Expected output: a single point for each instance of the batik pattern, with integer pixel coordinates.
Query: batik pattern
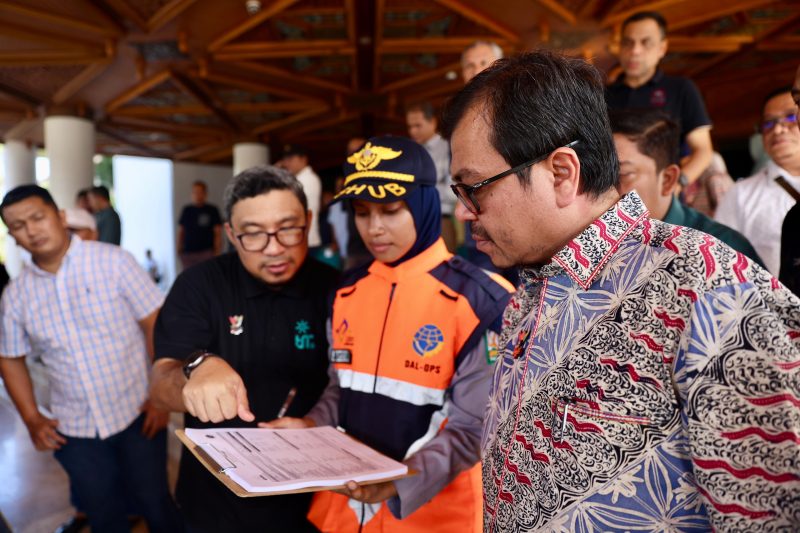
(648, 380)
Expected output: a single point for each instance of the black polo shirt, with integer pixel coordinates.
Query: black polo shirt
(676, 96)
(275, 339)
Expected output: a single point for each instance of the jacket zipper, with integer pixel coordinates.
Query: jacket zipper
(383, 332)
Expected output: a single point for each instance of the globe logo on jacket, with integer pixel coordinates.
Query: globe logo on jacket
(428, 341)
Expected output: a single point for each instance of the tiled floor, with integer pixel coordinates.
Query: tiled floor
(34, 491)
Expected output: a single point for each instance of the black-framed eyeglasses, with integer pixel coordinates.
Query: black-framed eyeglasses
(466, 193)
(768, 125)
(257, 241)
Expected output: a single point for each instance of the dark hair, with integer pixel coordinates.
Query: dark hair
(656, 135)
(426, 108)
(23, 192)
(261, 180)
(200, 183)
(775, 92)
(83, 193)
(537, 102)
(655, 16)
(101, 190)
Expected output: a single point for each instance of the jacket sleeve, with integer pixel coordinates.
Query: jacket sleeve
(456, 447)
(738, 373)
(326, 411)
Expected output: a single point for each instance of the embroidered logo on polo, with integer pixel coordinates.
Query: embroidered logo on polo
(658, 98)
(428, 341)
(236, 324)
(303, 338)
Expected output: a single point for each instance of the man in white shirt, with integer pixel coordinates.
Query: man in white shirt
(756, 206)
(422, 125)
(295, 160)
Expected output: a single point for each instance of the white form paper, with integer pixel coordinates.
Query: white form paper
(272, 460)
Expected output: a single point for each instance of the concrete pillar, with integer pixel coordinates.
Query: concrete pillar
(70, 146)
(248, 155)
(20, 169)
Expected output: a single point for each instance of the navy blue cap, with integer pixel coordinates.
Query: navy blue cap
(387, 169)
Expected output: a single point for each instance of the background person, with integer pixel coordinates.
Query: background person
(109, 226)
(199, 228)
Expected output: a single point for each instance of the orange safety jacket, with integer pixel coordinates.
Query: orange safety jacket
(402, 338)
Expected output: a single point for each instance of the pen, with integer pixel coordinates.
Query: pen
(287, 402)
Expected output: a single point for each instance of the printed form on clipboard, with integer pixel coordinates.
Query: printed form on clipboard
(279, 461)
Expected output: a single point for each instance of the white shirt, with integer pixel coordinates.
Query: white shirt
(83, 320)
(439, 150)
(312, 186)
(756, 207)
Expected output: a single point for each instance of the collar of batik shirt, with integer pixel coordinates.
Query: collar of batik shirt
(584, 256)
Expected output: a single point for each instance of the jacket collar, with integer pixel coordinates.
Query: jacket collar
(585, 255)
(421, 263)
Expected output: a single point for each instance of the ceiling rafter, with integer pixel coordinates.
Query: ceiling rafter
(38, 35)
(263, 68)
(51, 57)
(722, 43)
(66, 91)
(203, 109)
(715, 62)
(288, 121)
(250, 84)
(730, 8)
(616, 17)
(421, 77)
(160, 125)
(167, 13)
(197, 90)
(432, 44)
(273, 9)
(556, 7)
(51, 18)
(138, 89)
(321, 124)
(480, 18)
(116, 135)
(272, 49)
(123, 9)
(198, 151)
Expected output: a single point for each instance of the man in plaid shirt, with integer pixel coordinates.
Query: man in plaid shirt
(88, 308)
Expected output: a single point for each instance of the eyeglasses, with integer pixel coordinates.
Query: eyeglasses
(258, 241)
(466, 193)
(768, 125)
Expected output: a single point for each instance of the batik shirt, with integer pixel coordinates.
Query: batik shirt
(649, 380)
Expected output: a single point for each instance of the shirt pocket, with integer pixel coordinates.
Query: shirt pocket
(575, 417)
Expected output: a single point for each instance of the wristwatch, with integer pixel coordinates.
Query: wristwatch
(194, 360)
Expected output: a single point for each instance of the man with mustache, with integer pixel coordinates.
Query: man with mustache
(259, 311)
(756, 206)
(648, 374)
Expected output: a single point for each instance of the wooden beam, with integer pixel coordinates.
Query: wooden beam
(46, 18)
(431, 44)
(159, 125)
(130, 142)
(377, 42)
(322, 124)
(277, 124)
(38, 35)
(206, 97)
(123, 9)
(657, 5)
(722, 59)
(269, 70)
(419, 78)
(349, 13)
(556, 7)
(50, 57)
(785, 43)
(273, 9)
(480, 18)
(714, 12)
(202, 109)
(724, 43)
(266, 49)
(252, 85)
(216, 155)
(66, 91)
(144, 86)
(167, 13)
(449, 87)
(197, 151)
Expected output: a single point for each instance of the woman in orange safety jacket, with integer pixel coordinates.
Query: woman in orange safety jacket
(411, 353)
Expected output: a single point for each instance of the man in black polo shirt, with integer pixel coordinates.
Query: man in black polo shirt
(199, 228)
(261, 311)
(643, 85)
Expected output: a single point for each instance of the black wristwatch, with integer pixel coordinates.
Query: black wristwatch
(194, 360)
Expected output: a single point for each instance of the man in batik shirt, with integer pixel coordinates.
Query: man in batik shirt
(649, 375)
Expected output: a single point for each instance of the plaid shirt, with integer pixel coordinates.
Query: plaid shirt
(83, 320)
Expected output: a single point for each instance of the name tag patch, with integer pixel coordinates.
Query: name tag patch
(341, 356)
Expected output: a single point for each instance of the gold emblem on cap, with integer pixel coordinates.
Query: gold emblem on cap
(370, 156)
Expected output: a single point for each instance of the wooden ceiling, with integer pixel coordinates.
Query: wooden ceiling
(185, 79)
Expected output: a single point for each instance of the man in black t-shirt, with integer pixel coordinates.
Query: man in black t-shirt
(261, 311)
(199, 228)
(642, 85)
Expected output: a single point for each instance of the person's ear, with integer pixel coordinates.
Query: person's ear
(663, 47)
(669, 179)
(229, 234)
(566, 168)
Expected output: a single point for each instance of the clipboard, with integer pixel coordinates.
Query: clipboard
(218, 471)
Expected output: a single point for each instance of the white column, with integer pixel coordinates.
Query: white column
(70, 146)
(248, 155)
(20, 169)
